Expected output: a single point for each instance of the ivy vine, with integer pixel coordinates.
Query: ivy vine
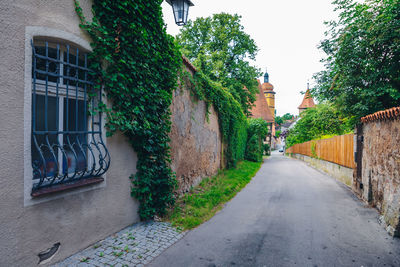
(232, 121)
(138, 63)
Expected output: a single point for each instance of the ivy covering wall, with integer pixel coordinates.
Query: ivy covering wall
(138, 65)
(232, 121)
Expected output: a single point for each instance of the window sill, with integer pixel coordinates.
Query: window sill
(64, 187)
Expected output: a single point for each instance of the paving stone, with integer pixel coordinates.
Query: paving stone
(95, 263)
(103, 260)
(144, 241)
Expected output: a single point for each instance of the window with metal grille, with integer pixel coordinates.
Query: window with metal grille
(67, 144)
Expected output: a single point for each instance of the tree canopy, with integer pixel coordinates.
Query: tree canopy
(362, 64)
(322, 120)
(278, 120)
(282, 119)
(219, 47)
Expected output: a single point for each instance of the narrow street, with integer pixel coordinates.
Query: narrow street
(288, 215)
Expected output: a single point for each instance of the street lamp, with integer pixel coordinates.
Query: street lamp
(181, 10)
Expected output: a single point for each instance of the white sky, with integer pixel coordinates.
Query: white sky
(286, 32)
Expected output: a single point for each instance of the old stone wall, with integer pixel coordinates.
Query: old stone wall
(340, 173)
(380, 169)
(195, 139)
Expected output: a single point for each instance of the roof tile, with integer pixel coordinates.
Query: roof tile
(261, 109)
(387, 114)
(308, 101)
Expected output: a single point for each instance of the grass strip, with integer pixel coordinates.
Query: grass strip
(204, 200)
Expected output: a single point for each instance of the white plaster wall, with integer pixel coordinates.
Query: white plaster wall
(77, 220)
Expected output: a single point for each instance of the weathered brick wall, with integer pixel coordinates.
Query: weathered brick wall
(380, 172)
(195, 140)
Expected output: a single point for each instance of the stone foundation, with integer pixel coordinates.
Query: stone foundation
(340, 173)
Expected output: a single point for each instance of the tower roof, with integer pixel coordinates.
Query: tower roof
(308, 101)
(267, 87)
(266, 77)
(261, 108)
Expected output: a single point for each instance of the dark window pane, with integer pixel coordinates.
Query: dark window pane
(51, 113)
(75, 143)
(41, 63)
(76, 121)
(72, 72)
(43, 158)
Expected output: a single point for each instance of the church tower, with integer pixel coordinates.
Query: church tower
(269, 93)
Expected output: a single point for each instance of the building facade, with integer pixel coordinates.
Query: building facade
(64, 185)
(264, 107)
(269, 94)
(41, 151)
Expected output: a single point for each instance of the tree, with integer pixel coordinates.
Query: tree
(287, 117)
(278, 120)
(323, 119)
(219, 47)
(362, 67)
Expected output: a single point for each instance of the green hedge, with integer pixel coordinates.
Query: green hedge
(257, 131)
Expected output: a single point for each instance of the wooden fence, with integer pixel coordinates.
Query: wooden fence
(338, 149)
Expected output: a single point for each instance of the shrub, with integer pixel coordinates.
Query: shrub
(254, 149)
(256, 132)
(267, 150)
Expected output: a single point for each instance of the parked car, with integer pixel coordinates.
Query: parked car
(281, 149)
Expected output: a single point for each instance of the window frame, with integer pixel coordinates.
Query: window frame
(56, 36)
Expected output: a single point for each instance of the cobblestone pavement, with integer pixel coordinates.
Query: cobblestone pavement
(136, 245)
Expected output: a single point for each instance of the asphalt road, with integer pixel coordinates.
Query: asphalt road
(288, 215)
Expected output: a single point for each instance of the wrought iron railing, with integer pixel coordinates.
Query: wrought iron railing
(67, 143)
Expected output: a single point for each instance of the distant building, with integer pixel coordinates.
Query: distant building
(308, 101)
(268, 90)
(269, 94)
(285, 126)
(261, 108)
(264, 107)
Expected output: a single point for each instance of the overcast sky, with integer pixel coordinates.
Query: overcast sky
(287, 33)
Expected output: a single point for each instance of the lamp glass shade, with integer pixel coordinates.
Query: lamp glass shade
(181, 10)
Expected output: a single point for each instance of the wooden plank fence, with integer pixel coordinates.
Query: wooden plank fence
(338, 149)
